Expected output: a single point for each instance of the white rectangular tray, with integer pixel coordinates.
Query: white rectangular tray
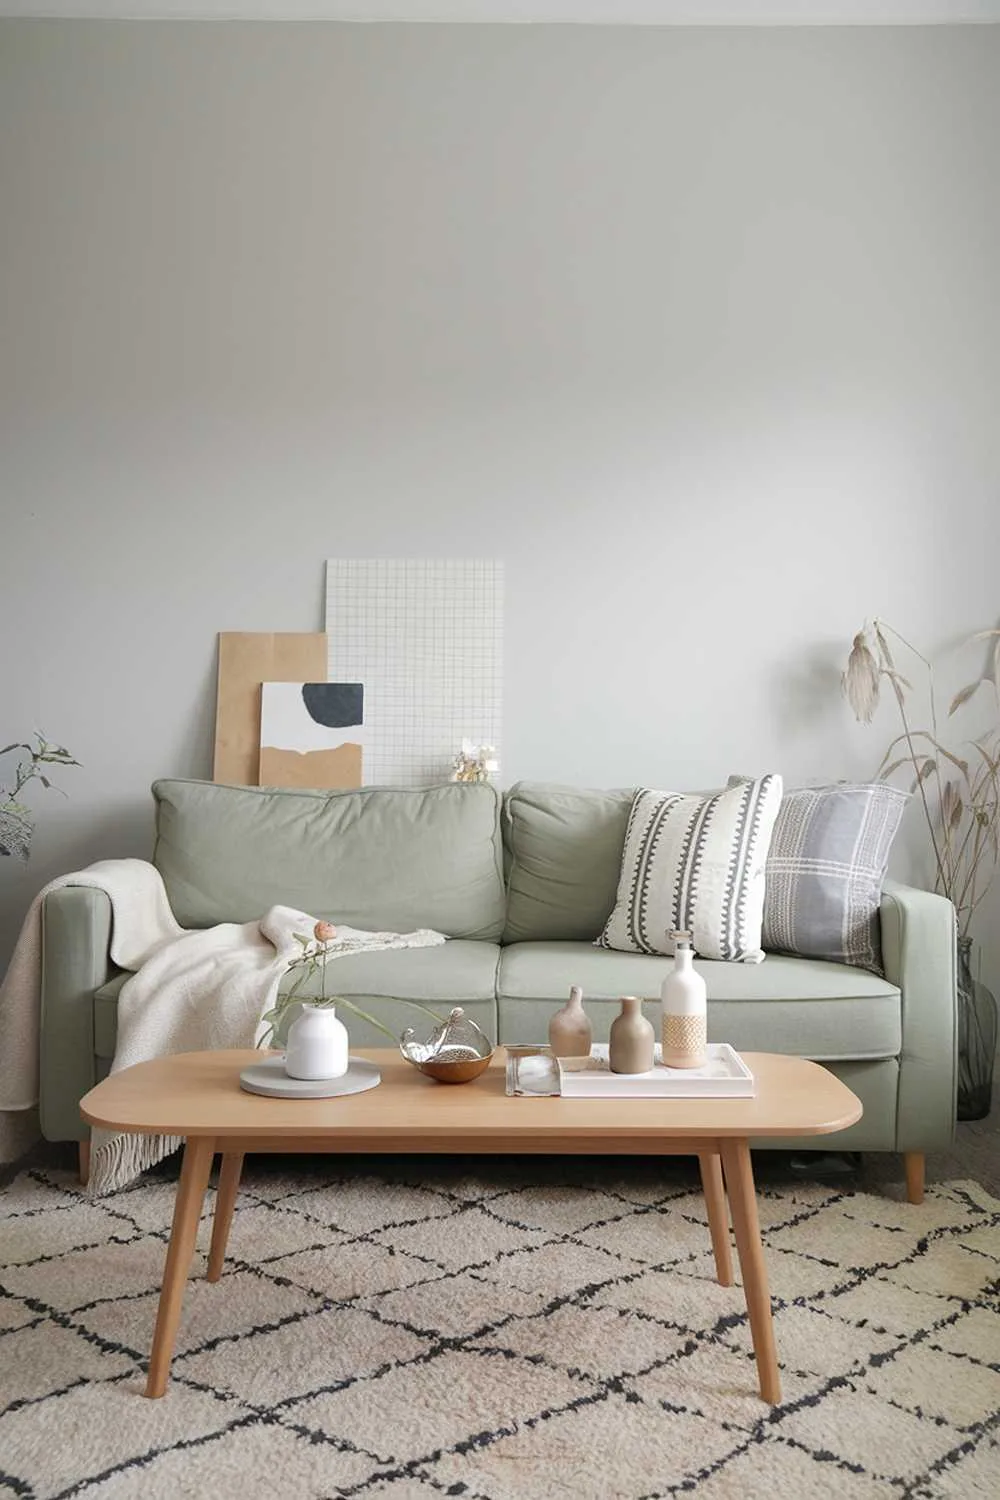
(724, 1076)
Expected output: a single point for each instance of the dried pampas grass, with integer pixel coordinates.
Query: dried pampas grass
(959, 793)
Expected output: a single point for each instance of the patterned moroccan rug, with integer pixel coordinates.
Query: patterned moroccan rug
(503, 1331)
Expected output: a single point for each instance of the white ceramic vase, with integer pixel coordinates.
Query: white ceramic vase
(316, 1046)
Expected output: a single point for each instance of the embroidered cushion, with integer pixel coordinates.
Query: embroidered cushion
(695, 863)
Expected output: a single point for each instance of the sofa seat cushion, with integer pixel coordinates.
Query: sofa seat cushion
(456, 973)
(809, 1007)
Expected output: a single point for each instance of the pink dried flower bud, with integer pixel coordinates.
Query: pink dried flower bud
(324, 932)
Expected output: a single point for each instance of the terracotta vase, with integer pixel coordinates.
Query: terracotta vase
(632, 1039)
(570, 1031)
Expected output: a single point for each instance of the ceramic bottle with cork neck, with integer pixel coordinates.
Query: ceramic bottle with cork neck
(684, 996)
(570, 1032)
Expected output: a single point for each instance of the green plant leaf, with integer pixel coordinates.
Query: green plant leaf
(364, 1015)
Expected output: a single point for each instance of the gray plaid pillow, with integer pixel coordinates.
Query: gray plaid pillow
(825, 869)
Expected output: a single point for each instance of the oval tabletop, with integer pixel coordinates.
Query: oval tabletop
(198, 1093)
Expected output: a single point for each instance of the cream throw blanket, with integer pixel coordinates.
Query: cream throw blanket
(192, 991)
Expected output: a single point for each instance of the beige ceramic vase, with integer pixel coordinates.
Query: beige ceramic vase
(632, 1039)
(570, 1031)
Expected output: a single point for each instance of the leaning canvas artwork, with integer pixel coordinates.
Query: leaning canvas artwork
(311, 734)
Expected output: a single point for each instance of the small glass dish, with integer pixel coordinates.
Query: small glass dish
(455, 1052)
(532, 1069)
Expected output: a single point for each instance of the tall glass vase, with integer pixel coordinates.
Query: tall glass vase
(977, 1039)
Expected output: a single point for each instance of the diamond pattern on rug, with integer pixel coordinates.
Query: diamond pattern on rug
(36, 1361)
(586, 1340)
(359, 1207)
(116, 1268)
(470, 1237)
(782, 1469)
(462, 1394)
(815, 1344)
(712, 1380)
(646, 1240)
(303, 1355)
(259, 1462)
(93, 1428)
(947, 1264)
(452, 1306)
(889, 1305)
(887, 1441)
(252, 1303)
(944, 1387)
(974, 1334)
(14, 1313)
(512, 1335)
(972, 1474)
(558, 1210)
(575, 1452)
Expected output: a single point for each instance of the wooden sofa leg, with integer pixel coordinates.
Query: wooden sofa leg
(913, 1162)
(84, 1163)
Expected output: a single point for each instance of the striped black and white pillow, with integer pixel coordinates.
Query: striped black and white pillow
(695, 864)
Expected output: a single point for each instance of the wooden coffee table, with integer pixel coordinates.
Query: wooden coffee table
(197, 1095)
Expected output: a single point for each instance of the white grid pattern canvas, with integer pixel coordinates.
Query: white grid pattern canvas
(425, 637)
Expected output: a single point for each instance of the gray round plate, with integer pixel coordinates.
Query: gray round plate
(269, 1077)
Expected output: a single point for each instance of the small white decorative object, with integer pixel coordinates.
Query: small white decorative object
(316, 1046)
(475, 762)
(684, 997)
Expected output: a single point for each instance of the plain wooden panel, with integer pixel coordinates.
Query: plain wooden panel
(246, 659)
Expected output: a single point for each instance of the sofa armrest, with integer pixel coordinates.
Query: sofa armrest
(76, 938)
(918, 951)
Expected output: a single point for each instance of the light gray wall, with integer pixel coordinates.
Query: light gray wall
(699, 330)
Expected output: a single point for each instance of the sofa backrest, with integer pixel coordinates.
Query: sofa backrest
(564, 850)
(377, 858)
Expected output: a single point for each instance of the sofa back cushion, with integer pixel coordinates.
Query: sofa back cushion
(378, 858)
(564, 853)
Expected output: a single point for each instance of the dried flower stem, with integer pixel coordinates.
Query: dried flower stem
(964, 825)
(892, 675)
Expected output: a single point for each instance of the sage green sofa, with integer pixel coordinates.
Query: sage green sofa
(521, 884)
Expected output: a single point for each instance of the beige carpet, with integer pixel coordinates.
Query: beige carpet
(533, 1330)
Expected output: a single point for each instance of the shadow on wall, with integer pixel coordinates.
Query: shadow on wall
(109, 813)
(806, 698)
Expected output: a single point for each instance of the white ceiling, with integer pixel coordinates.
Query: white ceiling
(618, 12)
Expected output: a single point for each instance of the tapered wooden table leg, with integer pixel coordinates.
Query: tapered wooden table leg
(197, 1164)
(225, 1202)
(746, 1227)
(718, 1215)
